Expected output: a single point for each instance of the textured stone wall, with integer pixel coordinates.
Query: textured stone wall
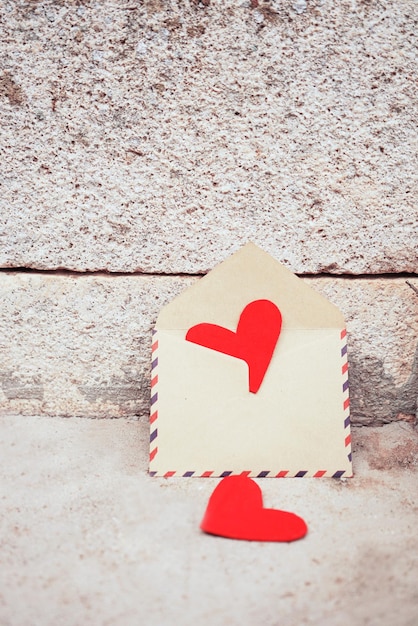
(151, 139)
(80, 345)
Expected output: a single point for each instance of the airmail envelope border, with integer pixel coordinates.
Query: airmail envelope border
(207, 424)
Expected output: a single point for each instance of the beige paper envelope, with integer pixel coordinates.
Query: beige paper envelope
(206, 422)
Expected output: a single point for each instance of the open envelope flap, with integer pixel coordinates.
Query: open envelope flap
(249, 274)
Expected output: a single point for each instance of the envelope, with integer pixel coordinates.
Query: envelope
(250, 376)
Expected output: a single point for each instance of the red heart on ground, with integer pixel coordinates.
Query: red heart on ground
(254, 341)
(235, 510)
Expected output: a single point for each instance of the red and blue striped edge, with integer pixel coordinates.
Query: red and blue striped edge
(154, 399)
(265, 473)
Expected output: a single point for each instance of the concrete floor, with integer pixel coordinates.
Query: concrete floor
(88, 538)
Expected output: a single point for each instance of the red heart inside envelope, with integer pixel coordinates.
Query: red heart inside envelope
(235, 510)
(254, 341)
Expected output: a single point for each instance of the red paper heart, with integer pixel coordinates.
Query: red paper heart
(254, 341)
(235, 510)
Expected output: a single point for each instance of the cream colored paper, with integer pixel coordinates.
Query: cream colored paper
(206, 422)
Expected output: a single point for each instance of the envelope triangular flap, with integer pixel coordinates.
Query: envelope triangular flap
(249, 274)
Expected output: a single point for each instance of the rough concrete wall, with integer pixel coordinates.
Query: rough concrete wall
(157, 137)
(80, 345)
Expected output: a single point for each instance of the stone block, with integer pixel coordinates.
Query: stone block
(382, 324)
(159, 137)
(80, 345)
